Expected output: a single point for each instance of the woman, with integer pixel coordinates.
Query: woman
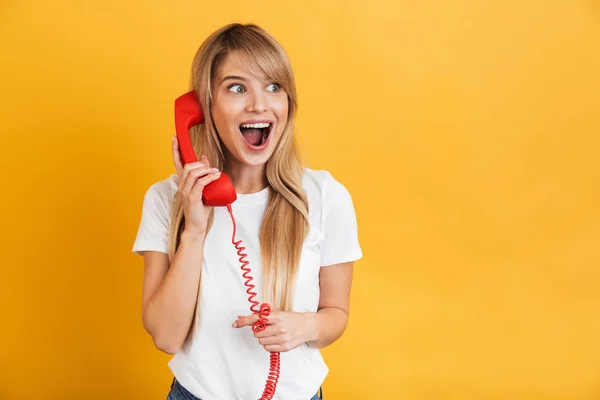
(297, 225)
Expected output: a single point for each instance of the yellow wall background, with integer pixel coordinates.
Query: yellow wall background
(467, 132)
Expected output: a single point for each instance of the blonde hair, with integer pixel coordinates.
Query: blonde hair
(285, 223)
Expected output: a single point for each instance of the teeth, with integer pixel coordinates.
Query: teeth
(260, 125)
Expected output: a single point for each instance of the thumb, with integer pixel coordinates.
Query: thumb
(204, 160)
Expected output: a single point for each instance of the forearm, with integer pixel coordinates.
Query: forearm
(330, 324)
(169, 313)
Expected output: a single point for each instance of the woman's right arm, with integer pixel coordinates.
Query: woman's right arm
(170, 292)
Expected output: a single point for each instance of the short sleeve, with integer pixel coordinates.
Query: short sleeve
(340, 231)
(153, 231)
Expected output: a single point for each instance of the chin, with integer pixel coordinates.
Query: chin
(255, 159)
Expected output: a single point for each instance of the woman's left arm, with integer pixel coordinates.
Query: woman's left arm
(334, 304)
(287, 330)
(338, 248)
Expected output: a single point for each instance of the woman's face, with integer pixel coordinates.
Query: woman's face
(249, 112)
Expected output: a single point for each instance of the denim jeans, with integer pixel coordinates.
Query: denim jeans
(178, 392)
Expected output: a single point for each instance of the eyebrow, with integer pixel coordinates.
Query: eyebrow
(233, 77)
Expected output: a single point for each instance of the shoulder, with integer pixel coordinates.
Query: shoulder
(333, 218)
(167, 186)
(160, 194)
(153, 231)
(323, 185)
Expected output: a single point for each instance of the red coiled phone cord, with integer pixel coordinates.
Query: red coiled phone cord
(262, 312)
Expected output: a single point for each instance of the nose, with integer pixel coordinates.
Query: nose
(257, 102)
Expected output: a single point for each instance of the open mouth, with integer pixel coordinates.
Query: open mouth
(256, 134)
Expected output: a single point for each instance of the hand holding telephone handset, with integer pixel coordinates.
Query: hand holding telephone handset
(221, 193)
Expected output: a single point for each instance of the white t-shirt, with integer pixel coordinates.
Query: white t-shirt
(225, 363)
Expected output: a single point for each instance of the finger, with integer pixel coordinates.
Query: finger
(245, 321)
(201, 183)
(187, 168)
(205, 161)
(271, 340)
(271, 330)
(176, 156)
(274, 318)
(279, 348)
(193, 176)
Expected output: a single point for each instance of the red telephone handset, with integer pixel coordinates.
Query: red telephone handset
(219, 193)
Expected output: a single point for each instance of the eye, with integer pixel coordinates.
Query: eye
(273, 87)
(236, 88)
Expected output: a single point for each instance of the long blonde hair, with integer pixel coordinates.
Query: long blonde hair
(285, 223)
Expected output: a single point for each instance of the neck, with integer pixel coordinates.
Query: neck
(246, 179)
